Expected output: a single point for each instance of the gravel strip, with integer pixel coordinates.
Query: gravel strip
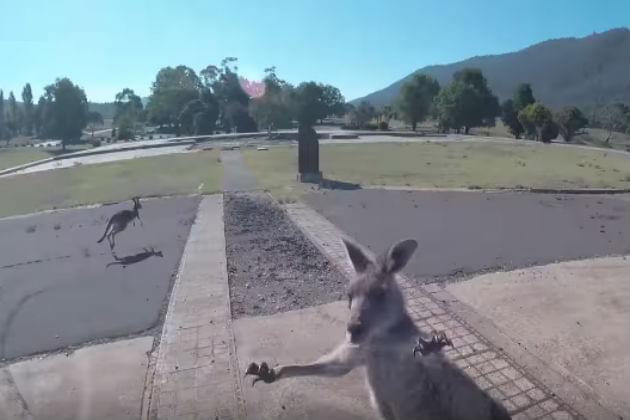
(272, 266)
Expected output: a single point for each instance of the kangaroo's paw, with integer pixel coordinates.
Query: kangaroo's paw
(262, 373)
(438, 340)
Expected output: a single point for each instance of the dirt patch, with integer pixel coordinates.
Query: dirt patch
(272, 266)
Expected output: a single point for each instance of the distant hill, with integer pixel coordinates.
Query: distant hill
(575, 71)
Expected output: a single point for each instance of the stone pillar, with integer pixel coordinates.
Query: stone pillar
(308, 155)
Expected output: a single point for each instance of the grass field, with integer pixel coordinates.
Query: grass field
(15, 157)
(448, 165)
(161, 175)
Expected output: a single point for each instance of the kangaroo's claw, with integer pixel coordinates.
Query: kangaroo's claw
(438, 340)
(262, 373)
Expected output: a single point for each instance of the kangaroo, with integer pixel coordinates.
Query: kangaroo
(136, 258)
(119, 221)
(382, 336)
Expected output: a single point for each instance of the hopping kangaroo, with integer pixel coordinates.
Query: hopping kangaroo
(381, 336)
(119, 221)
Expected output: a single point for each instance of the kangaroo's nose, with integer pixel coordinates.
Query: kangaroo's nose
(355, 330)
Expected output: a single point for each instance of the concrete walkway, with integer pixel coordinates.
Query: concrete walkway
(104, 381)
(196, 374)
(236, 175)
(573, 316)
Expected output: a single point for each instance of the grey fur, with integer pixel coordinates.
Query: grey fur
(119, 221)
(381, 336)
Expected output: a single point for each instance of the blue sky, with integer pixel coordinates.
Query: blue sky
(358, 46)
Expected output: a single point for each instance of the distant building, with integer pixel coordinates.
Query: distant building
(49, 143)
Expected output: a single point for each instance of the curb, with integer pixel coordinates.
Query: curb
(575, 191)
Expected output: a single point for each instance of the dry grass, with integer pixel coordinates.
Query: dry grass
(116, 181)
(448, 165)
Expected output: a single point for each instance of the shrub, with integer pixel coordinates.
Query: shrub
(95, 142)
(549, 132)
(383, 125)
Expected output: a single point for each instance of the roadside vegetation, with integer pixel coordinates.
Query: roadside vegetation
(446, 165)
(187, 173)
(14, 157)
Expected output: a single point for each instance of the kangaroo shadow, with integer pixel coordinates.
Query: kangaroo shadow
(333, 184)
(135, 258)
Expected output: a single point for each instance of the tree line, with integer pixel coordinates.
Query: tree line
(468, 102)
(185, 102)
(181, 101)
(60, 113)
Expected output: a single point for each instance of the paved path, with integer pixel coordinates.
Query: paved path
(462, 233)
(101, 158)
(521, 393)
(236, 175)
(104, 381)
(196, 374)
(573, 315)
(56, 288)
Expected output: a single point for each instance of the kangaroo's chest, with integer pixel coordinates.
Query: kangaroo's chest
(426, 387)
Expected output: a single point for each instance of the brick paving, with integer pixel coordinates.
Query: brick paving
(492, 370)
(196, 374)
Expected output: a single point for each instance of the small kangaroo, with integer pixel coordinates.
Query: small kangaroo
(119, 221)
(382, 336)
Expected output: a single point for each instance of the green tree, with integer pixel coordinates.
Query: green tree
(307, 103)
(539, 119)
(523, 96)
(27, 101)
(172, 89)
(364, 113)
(199, 116)
(223, 81)
(39, 116)
(271, 110)
(94, 119)
(333, 100)
(613, 118)
(570, 119)
(467, 102)
(509, 116)
(127, 103)
(416, 98)
(126, 128)
(65, 111)
(13, 116)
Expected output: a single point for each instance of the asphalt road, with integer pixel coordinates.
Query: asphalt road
(56, 289)
(462, 233)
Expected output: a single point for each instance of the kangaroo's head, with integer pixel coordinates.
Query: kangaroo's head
(136, 203)
(376, 302)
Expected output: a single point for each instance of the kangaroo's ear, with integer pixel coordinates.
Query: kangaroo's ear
(399, 255)
(359, 260)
